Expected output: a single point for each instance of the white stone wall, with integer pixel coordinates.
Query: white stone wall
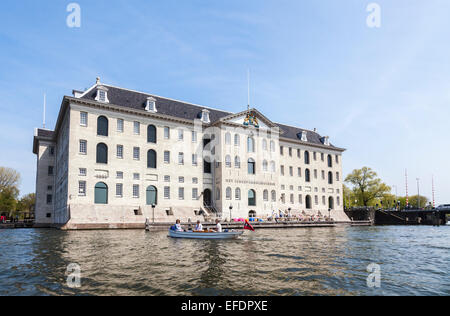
(122, 209)
(43, 182)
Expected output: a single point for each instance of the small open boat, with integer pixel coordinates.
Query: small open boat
(205, 235)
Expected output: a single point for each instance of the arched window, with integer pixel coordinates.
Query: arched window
(237, 162)
(227, 139)
(102, 126)
(266, 196)
(265, 166)
(273, 167)
(264, 144)
(274, 196)
(330, 177)
(151, 134)
(308, 202)
(151, 159)
(238, 194)
(152, 195)
(228, 161)
(251, 166)
(331, 203)
(229, 193)
(237, 140)
(330, 161)
(102, 153)
(272, 146)
(306, 157)
(101, 193)
(251, 198)
(250, 145)
(307, 175)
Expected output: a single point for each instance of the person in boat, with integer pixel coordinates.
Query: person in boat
(199, 227)
(218, 226)
(178, 227)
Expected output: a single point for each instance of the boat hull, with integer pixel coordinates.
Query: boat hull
(195, 235)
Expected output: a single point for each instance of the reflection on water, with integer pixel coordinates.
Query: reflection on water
(325, 261)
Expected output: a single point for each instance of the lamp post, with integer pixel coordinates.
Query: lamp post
(153, 211)
(329, 214)
(231, 208)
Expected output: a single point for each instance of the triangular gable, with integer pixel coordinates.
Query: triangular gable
(251, 118)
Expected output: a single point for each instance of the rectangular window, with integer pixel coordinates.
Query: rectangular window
(337, 176)
(195, 194)
(290, 152)
(323, 175)
(135, 191)
(83, 172)
(120, 151)
(83, 119)
(181, 193)
(282, 170)
(167, 157)
(322, 157)
(298, 153)
(337, 158)
(119, 175)
(50, 170)
(180, 134)
(137, 128)
(166, 178)
(316, 200)
(315, 156)
(136, 176)
(299, 172)
(166, 132)
(281, 150)
(315, 173)
(300, 199)
(194, 160)
(119, 125)
(52, 151)
(291, 171)
(136, 153)
(194, 136)
(119, 190)
(50, 188)
(195, 180)
(83, 147)
(167, 193)
(49, 199)
(82, 188)
(180, 158)
(181, 179)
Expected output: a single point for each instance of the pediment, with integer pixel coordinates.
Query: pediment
(250, 118)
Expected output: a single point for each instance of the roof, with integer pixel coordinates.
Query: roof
(188, 111)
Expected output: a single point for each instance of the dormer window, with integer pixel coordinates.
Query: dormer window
(205, 117)
(326, 140)
(151, 105)
(303, 136)
(102, 95)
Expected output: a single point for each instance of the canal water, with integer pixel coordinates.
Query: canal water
(315, 261)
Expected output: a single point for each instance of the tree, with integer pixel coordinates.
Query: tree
(413, 201)
(367, 187)
(9, 178)
(8, 201)
(26, 204)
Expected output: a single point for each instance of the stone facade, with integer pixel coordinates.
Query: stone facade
(232, 165)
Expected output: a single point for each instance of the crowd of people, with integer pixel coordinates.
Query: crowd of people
(303, 217)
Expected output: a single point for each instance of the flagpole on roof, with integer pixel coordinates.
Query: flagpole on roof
(43, 116)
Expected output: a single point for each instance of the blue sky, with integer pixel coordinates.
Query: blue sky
(382, 93)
